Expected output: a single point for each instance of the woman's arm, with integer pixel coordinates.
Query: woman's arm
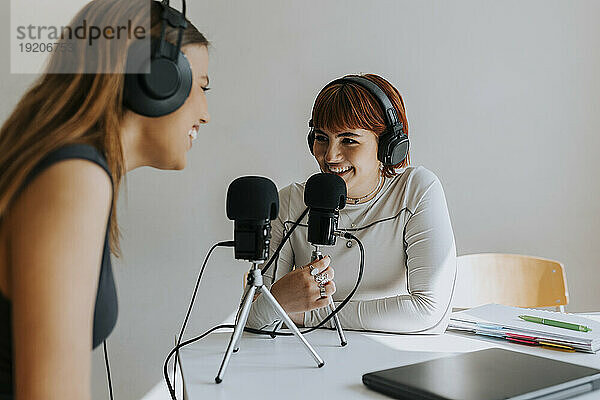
(431, 269)
(57, 230)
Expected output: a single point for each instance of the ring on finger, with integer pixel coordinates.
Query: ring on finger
(313, 270)
(322, 278)
(323, 293)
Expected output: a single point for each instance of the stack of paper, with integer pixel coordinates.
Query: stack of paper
(503, 321)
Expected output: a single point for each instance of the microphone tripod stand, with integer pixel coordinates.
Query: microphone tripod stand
(255, 283)
(317, 255)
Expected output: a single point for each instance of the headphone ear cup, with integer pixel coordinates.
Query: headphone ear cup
(311, 140)
(400, 149)
(392, 150)
(156, 86)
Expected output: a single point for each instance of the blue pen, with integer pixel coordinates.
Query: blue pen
(492, 334)
(496, 330)
(486, 326)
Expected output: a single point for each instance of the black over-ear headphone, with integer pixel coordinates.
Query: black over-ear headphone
(393, 143)
(159, 85)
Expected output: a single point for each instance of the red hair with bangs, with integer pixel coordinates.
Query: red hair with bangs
(348, 105)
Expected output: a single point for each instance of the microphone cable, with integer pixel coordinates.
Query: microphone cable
(282, 243)
(179, 346)
(110, 388)
(229, 243)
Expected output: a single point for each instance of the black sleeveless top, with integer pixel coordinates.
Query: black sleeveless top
(105, 311)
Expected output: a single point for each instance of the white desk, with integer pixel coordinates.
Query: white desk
(281, 368)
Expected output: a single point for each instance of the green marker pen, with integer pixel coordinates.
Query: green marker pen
(552, 322)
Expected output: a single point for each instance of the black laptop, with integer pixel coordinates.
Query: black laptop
(485, 375)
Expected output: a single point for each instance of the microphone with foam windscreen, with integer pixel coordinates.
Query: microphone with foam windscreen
(252, 202)
(325, 195)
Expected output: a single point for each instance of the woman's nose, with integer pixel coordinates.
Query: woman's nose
(204, 117)
(333, 153)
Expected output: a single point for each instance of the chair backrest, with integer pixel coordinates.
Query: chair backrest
(509, 279)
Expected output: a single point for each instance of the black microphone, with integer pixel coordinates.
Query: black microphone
(252, 202)
(324, 195)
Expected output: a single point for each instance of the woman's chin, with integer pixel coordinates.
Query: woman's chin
(173, 165)
(181, 164)
(181, 161)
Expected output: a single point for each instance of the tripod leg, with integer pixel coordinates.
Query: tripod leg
(236, 348)
(290, 324)
(336, 323)
(237, 332)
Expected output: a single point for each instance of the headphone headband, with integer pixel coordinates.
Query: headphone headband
(183, 7)
(177, 20)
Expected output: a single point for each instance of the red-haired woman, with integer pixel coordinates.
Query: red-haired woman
(63, 153)
(399, 212)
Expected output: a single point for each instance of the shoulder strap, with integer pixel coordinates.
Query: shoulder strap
(73, 151)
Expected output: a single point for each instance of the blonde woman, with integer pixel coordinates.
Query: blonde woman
(63, 153)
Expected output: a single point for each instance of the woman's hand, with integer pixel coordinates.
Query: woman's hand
(298, 290)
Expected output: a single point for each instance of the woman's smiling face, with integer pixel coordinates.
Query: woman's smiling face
(350, 154)
(167, 139)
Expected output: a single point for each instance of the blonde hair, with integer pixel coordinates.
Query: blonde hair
(62, 109)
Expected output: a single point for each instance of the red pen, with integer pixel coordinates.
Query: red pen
(515, 336)
(521, 341)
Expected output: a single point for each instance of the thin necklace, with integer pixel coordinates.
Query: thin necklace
(358, 200)
(354, 223)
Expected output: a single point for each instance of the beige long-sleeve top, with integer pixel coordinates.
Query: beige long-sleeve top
(410, 257)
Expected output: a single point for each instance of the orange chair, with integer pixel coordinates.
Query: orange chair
(509, 279)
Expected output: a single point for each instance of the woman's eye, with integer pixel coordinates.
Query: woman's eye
(205, 89)
(349, 141)
(321, 138)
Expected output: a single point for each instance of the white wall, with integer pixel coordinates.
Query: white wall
(501, 100)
